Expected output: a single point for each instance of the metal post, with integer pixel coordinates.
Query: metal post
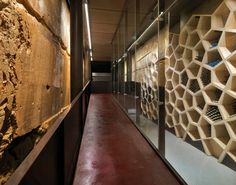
(76, 47)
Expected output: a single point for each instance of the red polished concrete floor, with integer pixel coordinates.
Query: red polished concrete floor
(113, 152)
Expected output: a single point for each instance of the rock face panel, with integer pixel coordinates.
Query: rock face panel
(15, 45)
(34, 67)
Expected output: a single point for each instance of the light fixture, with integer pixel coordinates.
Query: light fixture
(88, 29)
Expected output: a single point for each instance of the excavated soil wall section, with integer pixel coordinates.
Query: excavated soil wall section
(34, 74)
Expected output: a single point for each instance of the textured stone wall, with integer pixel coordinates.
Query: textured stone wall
(34, 73)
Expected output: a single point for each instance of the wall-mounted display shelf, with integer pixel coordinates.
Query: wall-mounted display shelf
(149, 86)
(201, 75)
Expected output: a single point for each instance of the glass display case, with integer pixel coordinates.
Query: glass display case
(175, 76)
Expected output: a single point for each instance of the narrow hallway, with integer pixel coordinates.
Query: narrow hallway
(113, 152)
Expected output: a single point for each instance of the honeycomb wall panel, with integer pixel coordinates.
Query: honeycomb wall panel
(201, 95)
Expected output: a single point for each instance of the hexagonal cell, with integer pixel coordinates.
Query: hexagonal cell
(193, 22)
(175, 41)
(194, 115)
(205, 76)
(169, 74)
(193, 132)
(232, 126)
(229, 104)
(199, 52)
(172, 61)
(179, 66)
(179, 131)
(232, 150)
(169, 51)
(154, 86)
(222, 74)
(231, 4)
(183, 37)
(188, 55)
(169, 108)
(184, 78)
(233, 84)
(176, 117)
(169, 85)
(149, 90)
(205, 128)
(179, 52)
(193, 69)
(169, 121)
(220, 16)
(204, 25)
(213, 38)
(200, 101)
(212, 58)
(188, 99)
(144, 93)
(180, 105)
(143, 107)
(193, 39)
(154, 95)
(167, 97)
(212, 147)
(184, 120)
(228, 41)
(180, 91)
(231, 22)
(213, 113)
(232, 60)
(173, 97)
(175, 79)
(194, 86)
(221, 133)
(213, 93)
(149, 99)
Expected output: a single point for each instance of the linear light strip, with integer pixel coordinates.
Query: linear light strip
(88, 30)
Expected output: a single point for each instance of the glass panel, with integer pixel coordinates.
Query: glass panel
(198, 138)
(130, 21)
(176, 83)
